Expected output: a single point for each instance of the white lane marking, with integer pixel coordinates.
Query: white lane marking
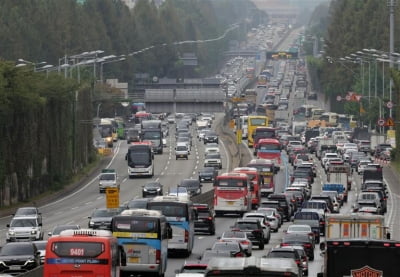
(158, 179)
(228, 163)
(88, 203)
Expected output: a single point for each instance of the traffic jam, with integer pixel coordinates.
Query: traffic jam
(307, 198)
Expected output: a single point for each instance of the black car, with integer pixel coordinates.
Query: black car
(253, 229)
(205, 219)
(19, 257)
(193, 186)
(138, 203)
(132, 135)
(210, 136)
(208, 174)
(152, 189)
(304, 240)
(101, 218)
(286, 206)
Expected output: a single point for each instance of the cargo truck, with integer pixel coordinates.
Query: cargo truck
(339, 174)
(359, 245)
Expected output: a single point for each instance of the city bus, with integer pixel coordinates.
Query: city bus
(83, 252)
(261, 133)
(142, 115)
(144, 235)
(268, 170)
(330, 118)
(232, 194)
(269, 148)
(180, 215)
(250, 72)
(252, 266)
(254, 121)
(256, 181)
(316, 113)
(140, 159)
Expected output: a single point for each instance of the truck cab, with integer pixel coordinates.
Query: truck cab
(108, 179)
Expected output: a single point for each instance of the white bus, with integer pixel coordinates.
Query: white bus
(180, 215)
(144, 236)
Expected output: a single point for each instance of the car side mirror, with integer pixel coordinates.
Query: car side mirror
(89, 217)
(49, 234)
(126, 156)
(40, 224)
(169, 231)
(8, 225)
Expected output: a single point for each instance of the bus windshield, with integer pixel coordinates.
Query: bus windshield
(135, 225)
(231, 183)
(258, 121)
(140, 158)
(269, 147)
(265, 133)
(78, 249)
(175, 210)
(151, 135)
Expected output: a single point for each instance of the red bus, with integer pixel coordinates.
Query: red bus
(83, 252)
(256, 181)
(268, 170)
(142, 115)
(232, 194)
(263, 133)
(269, 148)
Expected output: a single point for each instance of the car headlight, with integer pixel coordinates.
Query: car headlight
(33, 232)
(29, 261)
(144, 189)
(11, 233)
(158, 189)
(91, 223)
(2, 263)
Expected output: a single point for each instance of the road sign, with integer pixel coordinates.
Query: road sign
(112, 198)
(389, 122)
(381, 122)
(389, 105)
(348, 97)
(339, 98)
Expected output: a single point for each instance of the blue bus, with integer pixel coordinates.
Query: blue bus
(144, 235)
(180, 214)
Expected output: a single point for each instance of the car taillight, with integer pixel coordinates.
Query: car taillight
(285, 244)
(298, 262)
(307, 245)
(245, 242)
(186, 236)
(209, 218)
(239, 254)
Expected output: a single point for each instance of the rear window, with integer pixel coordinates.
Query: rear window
(282, 254)
(306, 216)
(77, 249)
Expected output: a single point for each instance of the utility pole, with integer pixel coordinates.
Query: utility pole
(391, 5)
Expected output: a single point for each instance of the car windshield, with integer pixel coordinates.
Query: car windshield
(103, 213)
(213, 156)
(16, 250)
(226, 247)
(26, 211)
(24, 223)
(299, 228)
(58, 229)
(107, 177)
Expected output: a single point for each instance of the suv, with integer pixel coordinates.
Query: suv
(108, 179)
(213, 160)
(210, 136)
(381, 147)
(182, 151)
(24, 228)
(193, 186)
(253, 229)
(208, 174)
(29, 211)
(205, 219)
(285, 252)
(286, 206)
(19, 257)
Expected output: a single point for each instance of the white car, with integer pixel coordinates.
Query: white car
(362, 164)
(24, 228)
(240, 237)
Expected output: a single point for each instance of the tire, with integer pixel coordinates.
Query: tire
(311, 258)
(261, 245)
(212, 231)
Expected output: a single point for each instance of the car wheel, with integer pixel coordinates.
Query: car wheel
(261, 245)
(311, 258)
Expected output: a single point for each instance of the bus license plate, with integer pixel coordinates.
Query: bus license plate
(230, 202)
(134, 260)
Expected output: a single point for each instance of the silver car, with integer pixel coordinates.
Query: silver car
(240, 237)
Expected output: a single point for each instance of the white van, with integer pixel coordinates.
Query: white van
(182, 151)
